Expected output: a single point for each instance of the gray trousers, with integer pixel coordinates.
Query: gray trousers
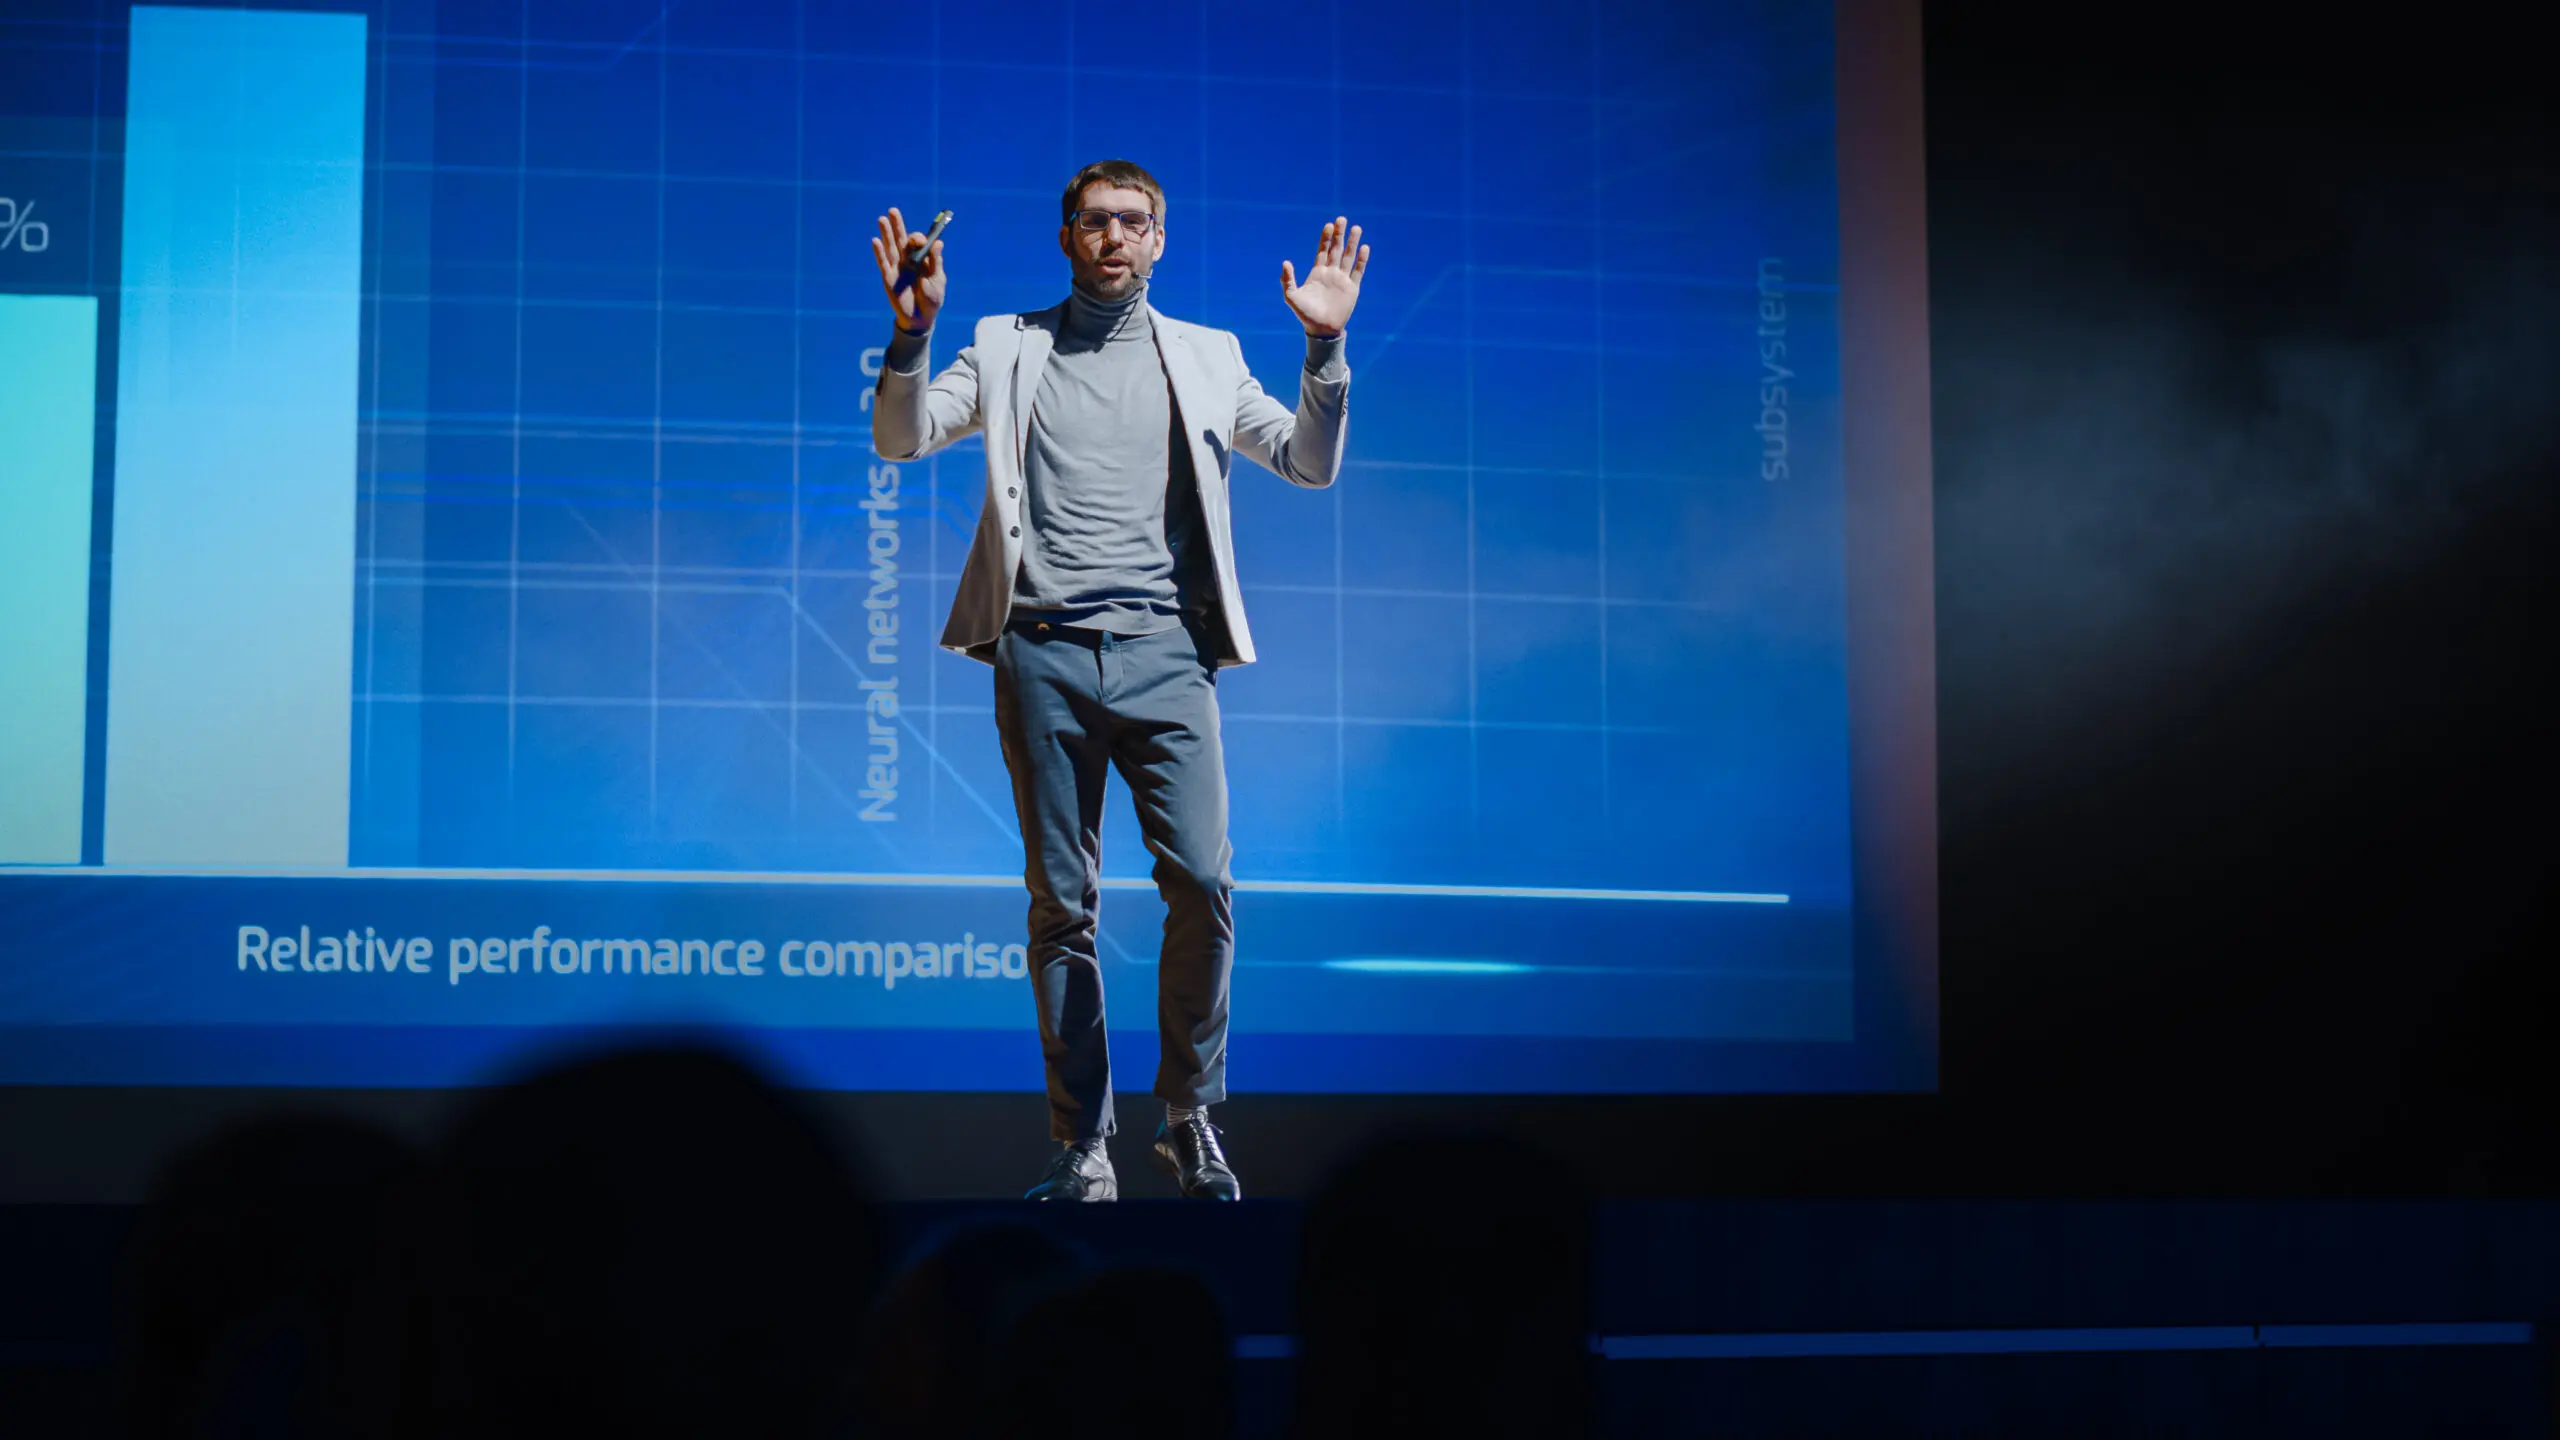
(1070, 704)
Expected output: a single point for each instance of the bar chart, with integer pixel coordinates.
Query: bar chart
(48, 365)
(233, 614)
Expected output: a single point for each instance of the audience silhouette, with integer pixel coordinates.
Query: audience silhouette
(1420, 1315)
(930, 1360)
(250, 1278)
(1131, 1354)
(661, 1242)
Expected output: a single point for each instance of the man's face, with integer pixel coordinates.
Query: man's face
(1109, 261)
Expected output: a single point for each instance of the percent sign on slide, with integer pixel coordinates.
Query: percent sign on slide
(19, 227)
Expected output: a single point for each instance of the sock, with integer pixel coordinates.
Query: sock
(1176, 1114)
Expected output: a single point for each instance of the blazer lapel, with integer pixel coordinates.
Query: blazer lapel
(1039, 337)
(1190, 388)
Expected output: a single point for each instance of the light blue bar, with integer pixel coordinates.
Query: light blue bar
(2110, 1339)
(2393, 1337)
(48, 443)
(1400, 965)
(231, 625)
(1928, 1342)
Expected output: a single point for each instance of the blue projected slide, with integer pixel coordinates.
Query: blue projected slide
(448, 596)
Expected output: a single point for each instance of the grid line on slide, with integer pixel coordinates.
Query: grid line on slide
(1467, 346)
(515, 437)
(657, 426)
(1600, 435)
(933, 464)
(799, 265)
(369, 478)
(1341, 696)
(1006, 882)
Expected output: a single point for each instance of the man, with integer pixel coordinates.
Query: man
(1102, 588)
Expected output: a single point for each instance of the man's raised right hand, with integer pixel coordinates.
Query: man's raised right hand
(915, 295)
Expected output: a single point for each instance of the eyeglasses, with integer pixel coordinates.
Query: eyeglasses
(1138, 223)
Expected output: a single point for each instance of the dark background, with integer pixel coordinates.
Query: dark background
(2244, 376)
(2243, 358)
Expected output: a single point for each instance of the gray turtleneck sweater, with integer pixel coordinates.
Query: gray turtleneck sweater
(1108, 509)
(1111, 519)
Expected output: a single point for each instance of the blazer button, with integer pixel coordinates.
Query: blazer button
(1010, 492)
(1015, 532)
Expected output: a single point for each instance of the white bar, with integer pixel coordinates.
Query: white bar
(1001, 882)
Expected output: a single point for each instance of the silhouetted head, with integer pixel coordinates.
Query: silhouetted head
(249, 1277)
(1128, 1355)
(1443, 1288)
(653, 1243)
(939, 1330)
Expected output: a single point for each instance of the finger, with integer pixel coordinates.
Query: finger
(931, 264)
(1341, 247)
(1288, 278)
(1350, 246)
(1360, 265)
(1324, 248)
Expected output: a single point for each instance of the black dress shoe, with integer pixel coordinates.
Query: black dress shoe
(1190, 1150)
(1082, 1171)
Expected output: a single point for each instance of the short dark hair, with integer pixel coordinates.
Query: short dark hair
(1125, 174)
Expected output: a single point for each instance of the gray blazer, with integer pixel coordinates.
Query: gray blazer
(1222, 409)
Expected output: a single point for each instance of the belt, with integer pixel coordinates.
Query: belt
(1084, 635)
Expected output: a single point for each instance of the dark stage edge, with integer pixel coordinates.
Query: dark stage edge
(1750, 1318)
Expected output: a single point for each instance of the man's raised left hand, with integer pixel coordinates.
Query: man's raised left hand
(1325, 302)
